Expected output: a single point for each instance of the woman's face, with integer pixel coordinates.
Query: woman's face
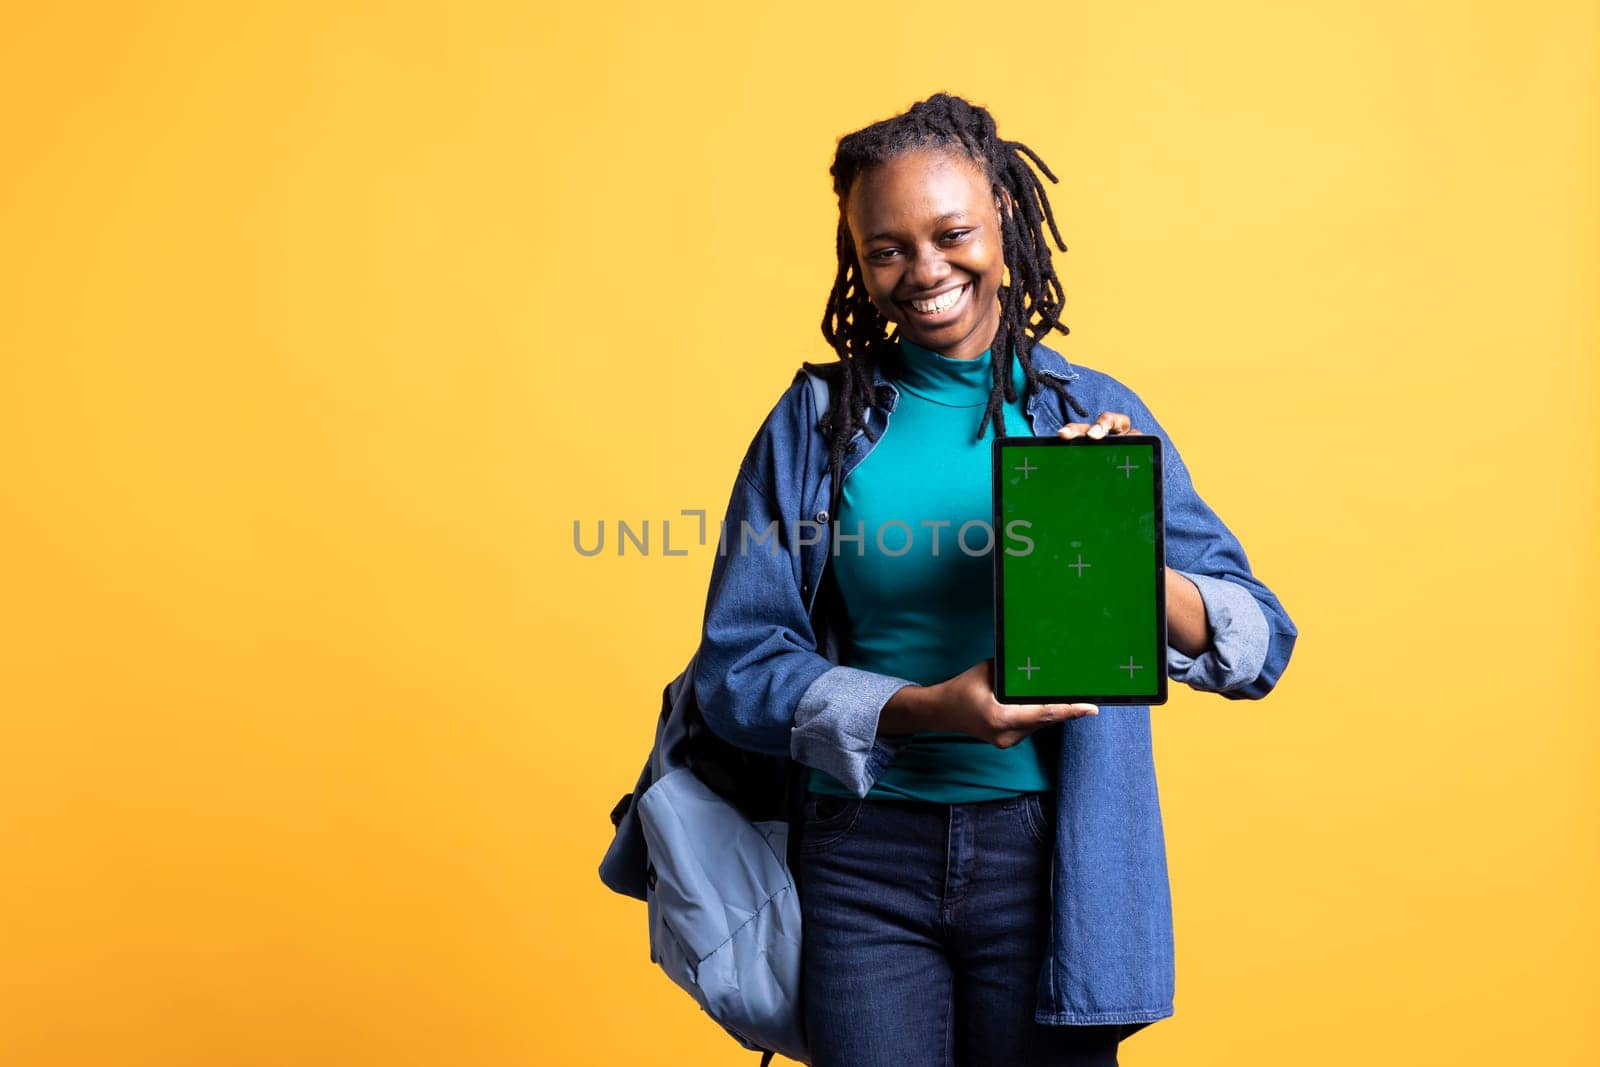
(926, 229)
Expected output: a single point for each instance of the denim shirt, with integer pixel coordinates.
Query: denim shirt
(767, 681)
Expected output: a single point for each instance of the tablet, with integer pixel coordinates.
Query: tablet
(1079, 562)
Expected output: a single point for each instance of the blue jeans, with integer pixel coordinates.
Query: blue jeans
(923, 931)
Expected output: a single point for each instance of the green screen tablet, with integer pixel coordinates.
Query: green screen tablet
(1079, 588)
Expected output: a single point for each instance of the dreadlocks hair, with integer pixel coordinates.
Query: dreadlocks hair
(1030, 303)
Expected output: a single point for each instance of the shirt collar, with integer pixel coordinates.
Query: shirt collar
(1045, 361)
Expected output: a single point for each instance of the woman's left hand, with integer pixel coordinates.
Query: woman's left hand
(1109, 422)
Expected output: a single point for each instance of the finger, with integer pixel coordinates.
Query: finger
(1109, 422)
(1073, 429)
(1059, 712)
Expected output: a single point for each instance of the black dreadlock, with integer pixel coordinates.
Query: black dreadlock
(1030, 304)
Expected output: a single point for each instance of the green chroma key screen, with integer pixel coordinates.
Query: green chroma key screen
(1080, 604)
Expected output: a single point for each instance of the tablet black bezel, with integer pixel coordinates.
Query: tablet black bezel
(1126, 700)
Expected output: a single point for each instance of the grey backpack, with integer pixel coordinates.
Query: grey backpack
(707, 840)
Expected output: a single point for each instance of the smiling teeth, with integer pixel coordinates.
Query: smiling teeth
(939, 303)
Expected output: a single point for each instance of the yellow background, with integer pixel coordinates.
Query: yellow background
(321, 324)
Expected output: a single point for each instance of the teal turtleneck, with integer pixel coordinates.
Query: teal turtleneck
(916, 605)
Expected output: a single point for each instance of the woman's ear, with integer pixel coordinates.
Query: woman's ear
(1002, 203)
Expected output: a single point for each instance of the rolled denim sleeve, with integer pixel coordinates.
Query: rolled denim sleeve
(836, 726)
(761, 682)
(1239, 638)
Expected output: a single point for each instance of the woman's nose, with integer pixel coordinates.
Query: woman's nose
(928, 269)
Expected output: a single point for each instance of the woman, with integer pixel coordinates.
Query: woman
(979, 883)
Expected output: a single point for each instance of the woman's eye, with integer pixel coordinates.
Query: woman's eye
(882, 255)
(956, 235)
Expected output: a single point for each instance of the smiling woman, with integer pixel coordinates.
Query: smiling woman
(931, 253)
(978, 882)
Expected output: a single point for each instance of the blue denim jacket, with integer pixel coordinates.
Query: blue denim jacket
(765, 682)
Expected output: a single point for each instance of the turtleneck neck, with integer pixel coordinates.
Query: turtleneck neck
(952, 382)
(960, 383)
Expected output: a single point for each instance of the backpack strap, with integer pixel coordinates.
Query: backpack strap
(820, 389)
(821, 392)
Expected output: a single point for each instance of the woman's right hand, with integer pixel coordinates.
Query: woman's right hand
(967, 705)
